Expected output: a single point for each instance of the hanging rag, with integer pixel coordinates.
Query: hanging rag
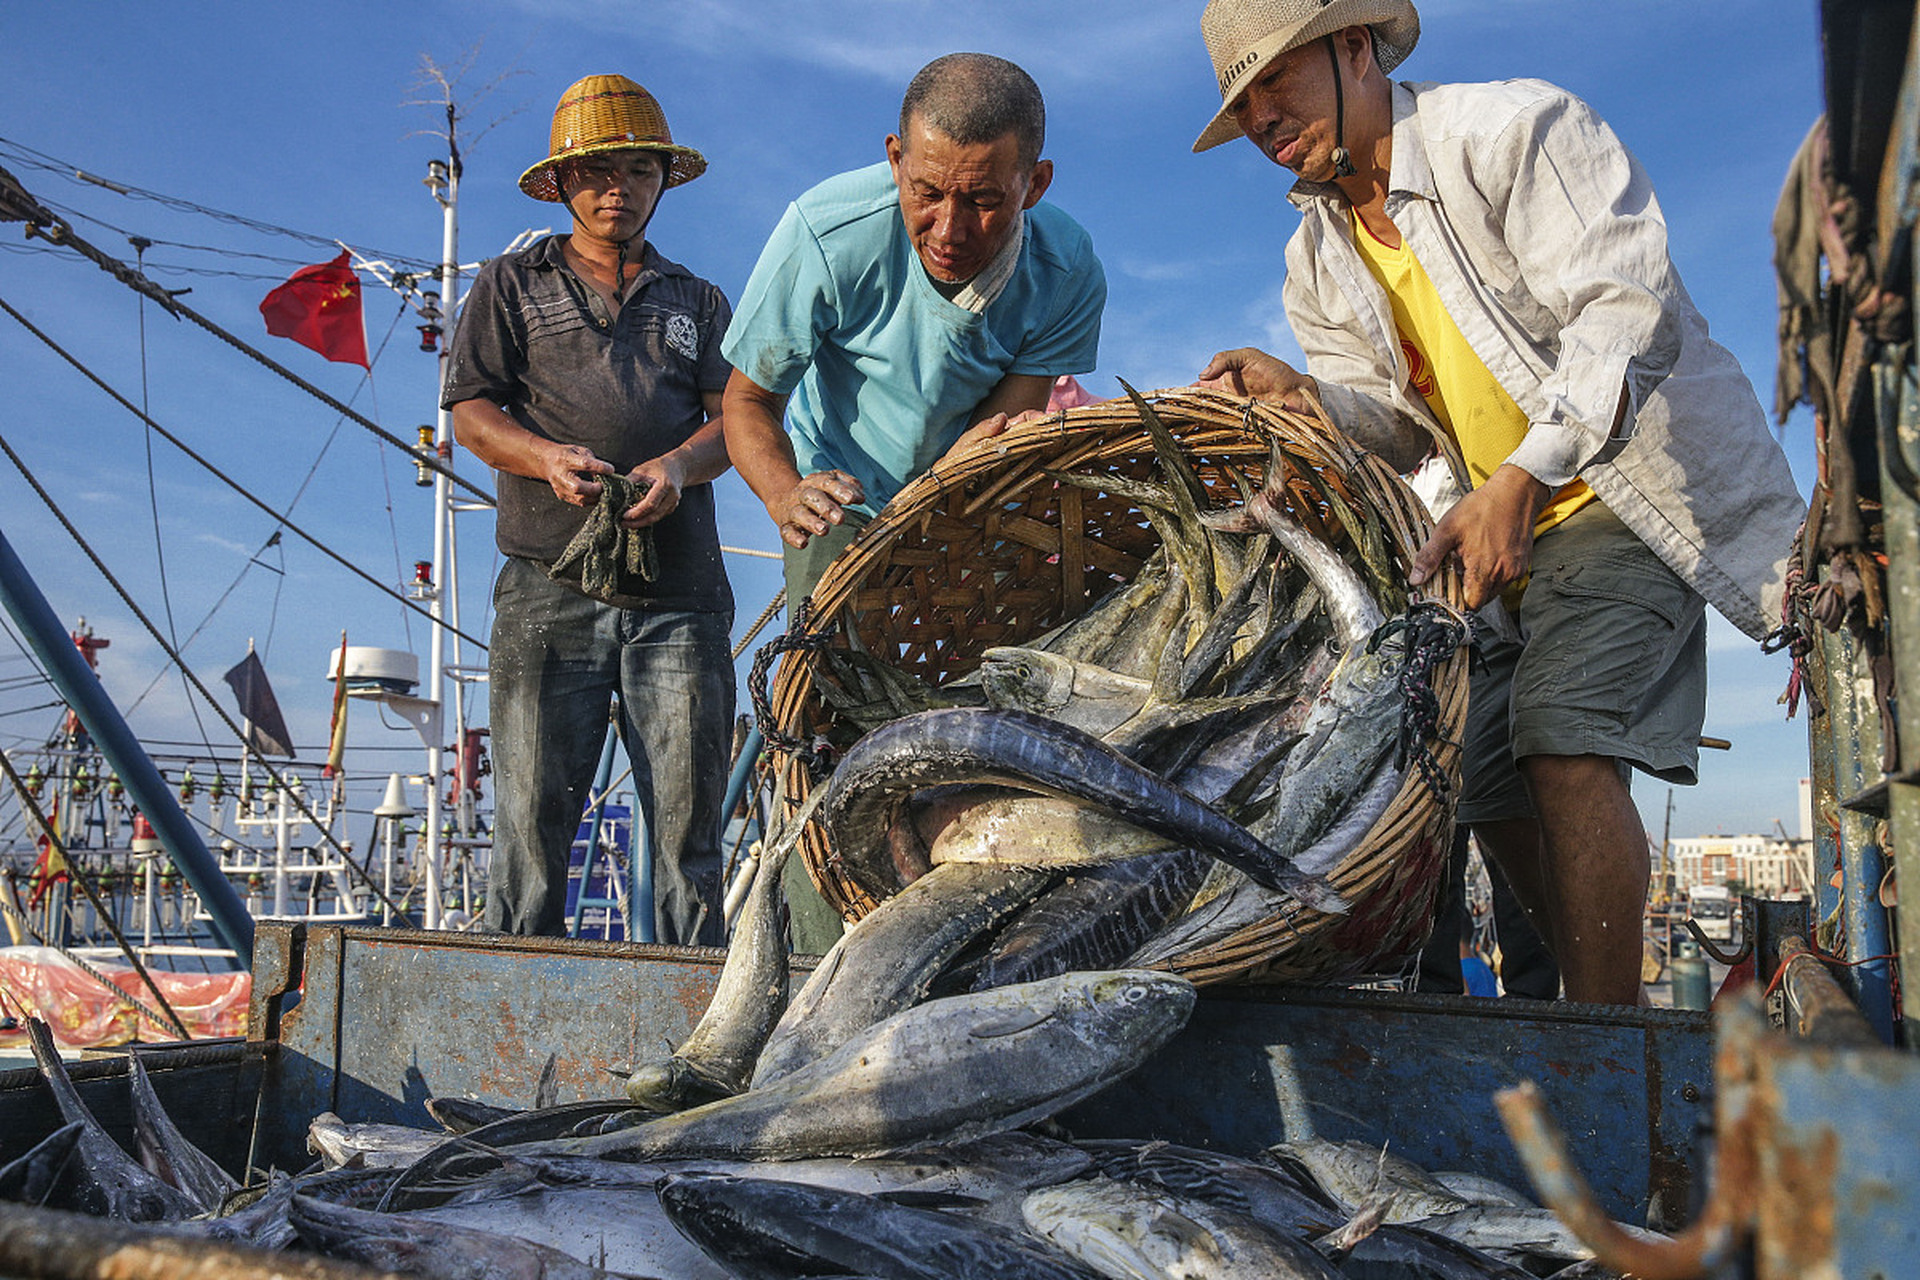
(604, 550)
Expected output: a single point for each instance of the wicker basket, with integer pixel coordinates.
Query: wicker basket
(987, 550)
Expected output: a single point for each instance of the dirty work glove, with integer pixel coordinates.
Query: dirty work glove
(603, 547)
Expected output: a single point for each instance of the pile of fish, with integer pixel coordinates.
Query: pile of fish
(731, 1198)
(1191, 756)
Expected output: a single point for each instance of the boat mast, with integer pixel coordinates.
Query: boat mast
(443, 180)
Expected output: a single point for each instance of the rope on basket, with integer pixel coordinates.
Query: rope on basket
(799, 637)
(1433, 633)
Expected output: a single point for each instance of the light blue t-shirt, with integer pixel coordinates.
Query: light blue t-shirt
(882, 370)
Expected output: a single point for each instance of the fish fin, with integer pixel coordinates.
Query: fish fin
(1007, 1022)
(913, 1198)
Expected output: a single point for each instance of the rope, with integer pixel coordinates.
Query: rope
(41, 222)
(759, 624)
(798, 638)
(1795, 635)
(1433, 632)
(225, 479)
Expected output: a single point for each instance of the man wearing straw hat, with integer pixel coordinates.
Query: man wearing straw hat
(1486, 265)
(901, 311)
(586, 370)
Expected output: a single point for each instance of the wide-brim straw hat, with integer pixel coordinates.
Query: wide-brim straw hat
(608, 113)
(1243, 36)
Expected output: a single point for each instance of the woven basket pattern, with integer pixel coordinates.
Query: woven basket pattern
(987, 549)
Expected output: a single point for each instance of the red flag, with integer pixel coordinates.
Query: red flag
(319, 307)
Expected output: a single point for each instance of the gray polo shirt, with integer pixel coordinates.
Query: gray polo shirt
(535, 340)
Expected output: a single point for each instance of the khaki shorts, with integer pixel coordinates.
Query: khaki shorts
(1612, 662)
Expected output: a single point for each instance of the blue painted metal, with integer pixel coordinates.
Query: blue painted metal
(1853, 723)
(596, 903)
(742, 771)
(640, 869)
(81, 690)
(1900, 502)
(391, 1018)
(1843, 1168)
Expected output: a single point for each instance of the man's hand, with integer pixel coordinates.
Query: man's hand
(1248, 371)
(987, 428)
(661, 480)
(1490, 532)
(813, 505)
(569, 470)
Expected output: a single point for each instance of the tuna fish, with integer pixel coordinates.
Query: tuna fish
(1133, 1231)
(762, 1228)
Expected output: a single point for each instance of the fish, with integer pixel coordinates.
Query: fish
(1286, 1201)
(758, 1227)
(1515, 1231)
(408, 1245)
(951, 1069)
(1336, 783)
(1476, 1188)
(1411, 1253)
(1352, 1173)
(165, 1151)
(34, 1177)
(717, 1058)
(889, 960)
(1024, 830)
(367, 1146)
(462, 1115)
(615, 1227)
(1135, 1230)
(1350, 605)
(1083, 694)
(876, 778)
(1350, 732)
(1095, 919)
(259, 1215)
(107, 1182)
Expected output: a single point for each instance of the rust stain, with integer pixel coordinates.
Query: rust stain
(1795, 1213)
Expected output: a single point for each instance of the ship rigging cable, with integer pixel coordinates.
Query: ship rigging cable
(17, 203)
(28, 157)
(235, 485)
(240, 734)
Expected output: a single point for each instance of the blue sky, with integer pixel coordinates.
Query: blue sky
(298, 116)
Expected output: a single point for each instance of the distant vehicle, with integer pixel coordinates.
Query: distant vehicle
(1711, 907)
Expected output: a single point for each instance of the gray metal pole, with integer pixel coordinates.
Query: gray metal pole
(81, 689)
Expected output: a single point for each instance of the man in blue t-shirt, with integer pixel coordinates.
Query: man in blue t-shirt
(906, 308)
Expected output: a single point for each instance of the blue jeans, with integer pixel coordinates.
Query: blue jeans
(556, 660)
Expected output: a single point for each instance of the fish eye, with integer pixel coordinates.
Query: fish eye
(1135, 993)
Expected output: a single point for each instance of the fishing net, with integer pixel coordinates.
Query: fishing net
(990, 549)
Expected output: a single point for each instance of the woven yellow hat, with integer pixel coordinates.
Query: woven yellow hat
(608, 113)
(1245, 35)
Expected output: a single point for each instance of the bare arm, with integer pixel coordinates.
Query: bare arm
(702, 458)
(800, 506)
(503, 444)
(1014, 399)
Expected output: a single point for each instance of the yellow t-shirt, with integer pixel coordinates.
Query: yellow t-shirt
(1473, 407)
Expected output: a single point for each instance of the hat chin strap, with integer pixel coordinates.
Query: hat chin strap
(1342, 158)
